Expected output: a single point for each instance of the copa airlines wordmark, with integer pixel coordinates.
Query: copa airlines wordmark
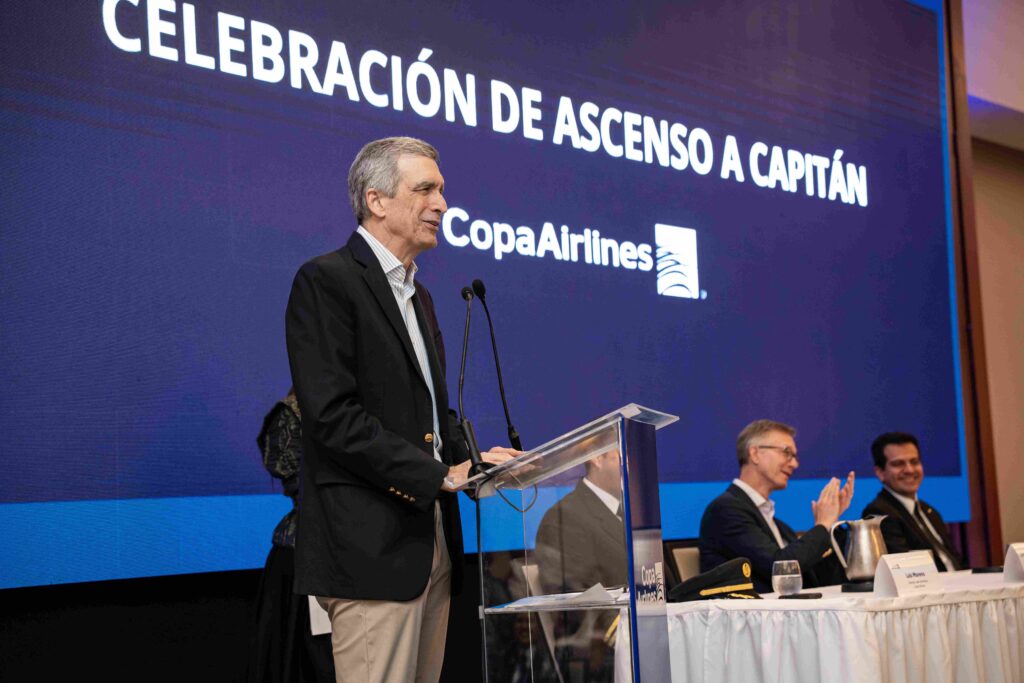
(587, 246)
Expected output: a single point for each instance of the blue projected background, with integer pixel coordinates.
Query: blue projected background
(167, 166)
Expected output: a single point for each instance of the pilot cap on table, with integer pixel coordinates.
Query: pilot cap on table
(729, 580)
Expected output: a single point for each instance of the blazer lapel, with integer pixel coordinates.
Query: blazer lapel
(378, 284)
(908, 519)
(940, 527)
(598, 510)
(744, 499)
(436, 372)
(786, 531)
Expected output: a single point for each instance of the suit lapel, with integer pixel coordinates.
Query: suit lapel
(598, 510)
(436, 371)
(908, 519)
(744, 499)
(940, 527)
(375, 279)
(933, 518)
(786, 531)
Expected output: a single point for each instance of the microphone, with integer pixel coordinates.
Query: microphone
(464, 425)
(513, 435)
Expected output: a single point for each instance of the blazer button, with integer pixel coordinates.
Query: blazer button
(429, 437)
(412, 499)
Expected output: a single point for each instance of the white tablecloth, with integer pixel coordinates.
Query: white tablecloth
(973, 631)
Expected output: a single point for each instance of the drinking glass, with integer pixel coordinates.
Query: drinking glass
(786, 578)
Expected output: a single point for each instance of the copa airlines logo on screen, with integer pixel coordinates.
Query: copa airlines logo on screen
(677, 261)
(674, 262)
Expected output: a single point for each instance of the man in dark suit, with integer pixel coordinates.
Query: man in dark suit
(582, 538)
(741, 522)
(910, 523)
(581, 541)
(379, 541)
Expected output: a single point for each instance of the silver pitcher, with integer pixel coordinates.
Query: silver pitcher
(864, 547)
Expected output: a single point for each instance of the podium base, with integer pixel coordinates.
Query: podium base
(859, 587)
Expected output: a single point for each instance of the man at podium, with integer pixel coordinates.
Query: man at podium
(581, 542)
(379, 541)
(581, 539)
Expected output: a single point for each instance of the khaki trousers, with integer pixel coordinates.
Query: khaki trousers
(380, 641)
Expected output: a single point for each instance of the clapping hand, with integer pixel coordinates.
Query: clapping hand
(833, 501)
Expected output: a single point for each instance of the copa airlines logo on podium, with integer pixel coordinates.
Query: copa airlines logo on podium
(676, 274)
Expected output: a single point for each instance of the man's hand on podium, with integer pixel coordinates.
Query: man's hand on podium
(458, 474)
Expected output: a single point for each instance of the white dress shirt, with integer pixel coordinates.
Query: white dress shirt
(610, 501)
(766, 506)
(403, 287)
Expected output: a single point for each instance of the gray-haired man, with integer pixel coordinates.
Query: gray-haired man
(379, 541)
(741, 522)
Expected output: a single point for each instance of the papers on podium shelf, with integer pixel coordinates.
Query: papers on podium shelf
(1013, 565)
(319, 621)
(595, 597)
(902, 574)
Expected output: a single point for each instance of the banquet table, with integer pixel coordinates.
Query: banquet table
(972, 631)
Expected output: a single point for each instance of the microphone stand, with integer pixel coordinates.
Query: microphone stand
(478, 466)
(513, 435)
(464, 424)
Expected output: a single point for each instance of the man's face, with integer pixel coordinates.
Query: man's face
(771, 454)
(412, 217)
(903, 472)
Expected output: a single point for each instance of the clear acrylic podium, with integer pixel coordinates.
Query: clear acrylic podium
(589, 564)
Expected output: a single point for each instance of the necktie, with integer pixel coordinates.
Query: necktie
(938, 545)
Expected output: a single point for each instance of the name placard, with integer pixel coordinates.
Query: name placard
(1013, 565)
(902, 574)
